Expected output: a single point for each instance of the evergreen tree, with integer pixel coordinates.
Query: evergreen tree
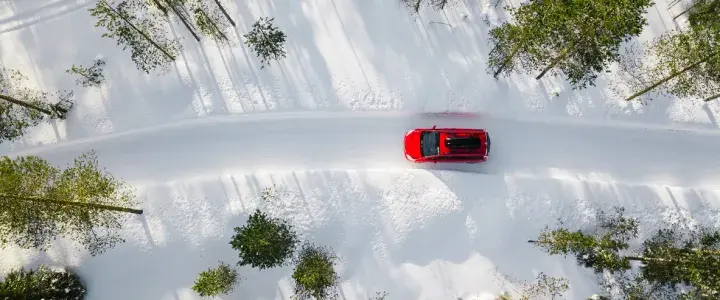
(576, 38)
(178, 8)
(42, 283)
(687, 64)
(264, 242)
(210, 21)
(130, 25)
(266, 40)
(22, 107)
(315, 276)
(415, 5)
(213, 282)
(225, 13)
(666, 260)
(39, 202)
(92, 76)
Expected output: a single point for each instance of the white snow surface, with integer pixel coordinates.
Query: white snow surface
(324, 127)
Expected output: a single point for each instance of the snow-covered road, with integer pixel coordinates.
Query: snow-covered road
(612, 152)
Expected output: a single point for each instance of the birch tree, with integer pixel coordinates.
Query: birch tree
(22, 107)
(129, 24)
(266, 40)
(576, 38)
(667, 259)
(177, 8)
(83, 203)
(89, 76)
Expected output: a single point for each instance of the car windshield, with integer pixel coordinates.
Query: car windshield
(429, 143)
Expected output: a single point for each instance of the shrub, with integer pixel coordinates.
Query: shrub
(42, 283)
(266, 40)
(213, 282)
(314, 274)
(264, 242)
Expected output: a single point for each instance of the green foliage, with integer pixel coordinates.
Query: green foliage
(22, 107)
(132, 27)
(546, 287)
(92, 76)
(210, 20)
(314, 274)
(576, 38)
(672, 259)
(42, 283)
(266, 40)
(39, 202)
(213, 282)
(415, 5)
(705, 15)
(668, 260)
(599, 250)
(264, 242)
(686, 64)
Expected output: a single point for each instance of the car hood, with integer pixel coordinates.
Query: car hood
(412, 144)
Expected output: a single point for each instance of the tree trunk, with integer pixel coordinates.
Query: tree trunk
(140, 31)
(81, 204)
(184, 21)
(673, 75)
(708, 99)
(213, 24)
(162, 8)
(417, 6)
(514, 52)
(26, 105)
(225, 13)
(685, 11)
(555, 61)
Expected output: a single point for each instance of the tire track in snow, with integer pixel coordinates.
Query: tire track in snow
(620, 152)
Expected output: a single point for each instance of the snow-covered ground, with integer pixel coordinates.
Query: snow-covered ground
(325, 125)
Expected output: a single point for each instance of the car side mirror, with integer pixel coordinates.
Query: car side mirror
(434, 126)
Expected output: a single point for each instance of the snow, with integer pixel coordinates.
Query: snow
(324, 126)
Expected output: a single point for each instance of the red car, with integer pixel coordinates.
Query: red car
(447, 145)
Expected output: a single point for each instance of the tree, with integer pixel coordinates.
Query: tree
(225, 13)
(416, 4)
(687, 65)
(92, 76)
(314, 273)
(42, 283)
(178, 7)
(266, 40)
(210, 20)
(264, 242)
(128, 24)
(704, 14)
(23, 107)
(546, 287)
(39, 202)
(666, 260)
(213, 282)
(576, 38)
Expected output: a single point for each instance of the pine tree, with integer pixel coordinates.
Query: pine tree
(687, 65)
(266, 40)
(39, 202)
(178, 8)
(22, 107)
(42, 283)
(213, 282)
(576, 38)
(415, 5)
(210, 21)
(92, 76)
(666, 260)
(264, 242)
(315, 276)
(130, 24)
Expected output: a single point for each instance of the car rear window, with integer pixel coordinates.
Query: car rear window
(430, 143)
